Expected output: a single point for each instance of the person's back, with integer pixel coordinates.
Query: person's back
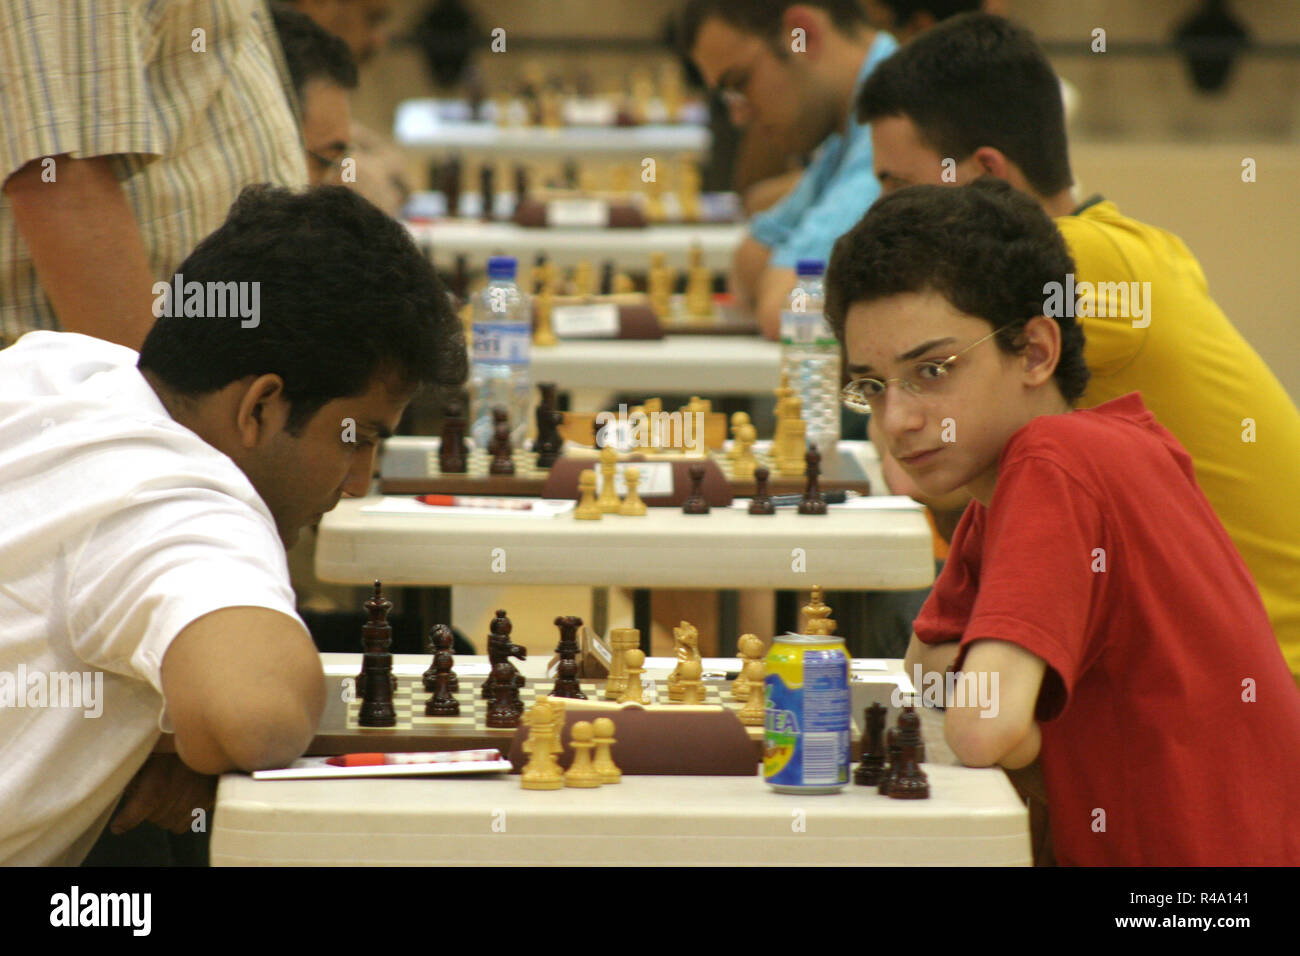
(1206, 384)
(1174, 711)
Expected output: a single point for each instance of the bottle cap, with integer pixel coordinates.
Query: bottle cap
(809, 267)
(502, 267)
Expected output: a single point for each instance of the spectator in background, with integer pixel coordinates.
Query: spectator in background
(322, 71)
(906, 18)
(118, 164)
(381, 170)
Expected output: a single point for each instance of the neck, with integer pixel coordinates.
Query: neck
(844, 55)
(1051, 402)
(1062, 204)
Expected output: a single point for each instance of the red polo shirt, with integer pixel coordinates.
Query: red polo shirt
(1170, 723)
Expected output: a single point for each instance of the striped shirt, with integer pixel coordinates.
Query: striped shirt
(188, 97)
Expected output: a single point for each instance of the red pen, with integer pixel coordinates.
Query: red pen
(471, 501)
(444, 756)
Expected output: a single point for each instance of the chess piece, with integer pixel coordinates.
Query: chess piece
(909, 727)
(623, 284)
(817, 615)
(686, 645)
(441, 640)
(521, 183)
(452, 456)
(688, 190)
(813, 503)
(634, 692)
(542, 772)
(604, 739)
(873, 750)
(487, 193)
(737, 420)
(566, 671)
(750, 648)
(587, 509)
(699, 286)
(895, 751)
(621, 640)
(584, 280)
(500, 649)
(506, 707)
(608, 501)
(543, 309)
(503, 462)
(659, 286)
(548, 443)
(443, 702)
(754, 711)
(632, 504)
(607, 278)
(581, 772)
(377, 682)
(689, 680)
(744, 464)
(761, 504)
(696, 503)
(910, 781)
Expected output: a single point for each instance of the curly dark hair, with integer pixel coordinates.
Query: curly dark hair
(345, 297)
(986, 248)
(977, 80)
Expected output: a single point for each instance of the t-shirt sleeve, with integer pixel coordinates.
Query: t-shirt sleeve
(75, 81)
(1043, 537)
(837, 210)
(1111, 342)
(167, 558)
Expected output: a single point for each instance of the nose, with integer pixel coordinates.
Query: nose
(357, 482)
(901, 412)
(741, 112)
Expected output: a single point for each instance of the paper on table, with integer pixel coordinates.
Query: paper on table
(401, 505)
(311, 768)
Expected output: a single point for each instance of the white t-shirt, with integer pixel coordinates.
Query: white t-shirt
(118, 527)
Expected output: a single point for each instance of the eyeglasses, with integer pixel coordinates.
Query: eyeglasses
(325, 163)
(863, 394)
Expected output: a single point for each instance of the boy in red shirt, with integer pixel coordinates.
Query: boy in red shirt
(1090, 586)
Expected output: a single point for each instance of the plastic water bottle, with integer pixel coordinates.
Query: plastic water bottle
(810, 356)
(499, 373)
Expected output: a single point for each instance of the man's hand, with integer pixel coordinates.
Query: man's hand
(166, 793)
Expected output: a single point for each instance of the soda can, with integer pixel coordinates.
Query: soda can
(806, 727)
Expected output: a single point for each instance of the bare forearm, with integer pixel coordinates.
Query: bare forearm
(87, 248)
(747, 270)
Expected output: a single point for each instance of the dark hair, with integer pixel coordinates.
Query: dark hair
(977, 80)
(344, 297)
(986, 248)
(762, 17)
(312, 52)
(904, 10)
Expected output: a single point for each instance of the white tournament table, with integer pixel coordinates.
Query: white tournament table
(973, 817)
(629, 249)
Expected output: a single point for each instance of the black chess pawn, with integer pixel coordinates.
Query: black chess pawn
(607, 278)
(443, 703)
(502, 453)
(442, 640)
(813, 503)
(502, 712)
(762, 501)
(895, 751)
(873, 750)
(910, 782)
(377, 680)
(909, 730)
(453, 458)
(696, 503)
(521, 183)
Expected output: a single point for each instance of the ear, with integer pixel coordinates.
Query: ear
(813, 22)
(1042, 350)
(993, 162)
(263, 411)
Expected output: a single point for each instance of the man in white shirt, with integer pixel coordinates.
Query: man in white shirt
(146, 502)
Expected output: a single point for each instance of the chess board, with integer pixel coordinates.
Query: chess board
(340, 731)
(418, 473)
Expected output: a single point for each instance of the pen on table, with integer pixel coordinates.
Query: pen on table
(474, 501)
(830, 497)
(445, 756)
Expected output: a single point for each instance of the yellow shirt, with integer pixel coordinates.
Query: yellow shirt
(1206, 385)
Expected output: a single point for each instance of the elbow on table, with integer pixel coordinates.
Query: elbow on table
(981, 741)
